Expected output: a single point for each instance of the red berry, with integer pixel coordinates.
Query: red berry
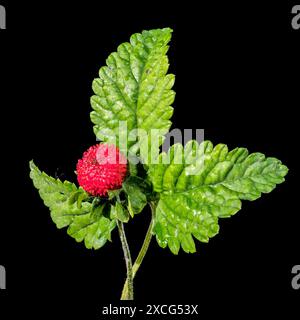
(103, 167)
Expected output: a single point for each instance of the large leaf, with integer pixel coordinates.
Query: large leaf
(135, 89)
(59, 196)
(199, 184)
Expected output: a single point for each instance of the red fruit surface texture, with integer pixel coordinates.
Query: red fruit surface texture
(103, 167)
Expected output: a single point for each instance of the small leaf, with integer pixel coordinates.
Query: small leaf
(82, 225)
(113, 193)
(94, 232)
(118, 212)
(135, 187)
(97, 209)
(209, 183)
(138, 182)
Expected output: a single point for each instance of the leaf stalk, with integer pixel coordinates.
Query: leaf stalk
(142, 252)
(129, 285)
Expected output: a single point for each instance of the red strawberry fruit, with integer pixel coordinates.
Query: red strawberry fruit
(103, 167)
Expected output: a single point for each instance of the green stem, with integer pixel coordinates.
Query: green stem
(142, 252)
(128, 261)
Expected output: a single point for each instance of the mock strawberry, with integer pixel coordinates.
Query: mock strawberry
(103, 167)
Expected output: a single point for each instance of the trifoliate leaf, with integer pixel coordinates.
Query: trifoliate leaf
(135, 188)
(134, 88)
(200, 183)
(82, 225)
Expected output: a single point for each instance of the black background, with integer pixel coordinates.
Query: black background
(237, 76)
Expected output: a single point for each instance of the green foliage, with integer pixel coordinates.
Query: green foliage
(120, 213)
(191, 187)
(135, 189)
(199, 184)
(60, 197)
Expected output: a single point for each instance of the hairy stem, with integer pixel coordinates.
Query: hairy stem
(128, 261)
(142, 252)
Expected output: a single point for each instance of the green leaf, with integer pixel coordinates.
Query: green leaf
(82, 196)
(97, 208)
(118, 212)
(200, 183)
(65, 212)
(135, 189)
(133, 169)
(114, 193)
(74, 197)
(134, 88)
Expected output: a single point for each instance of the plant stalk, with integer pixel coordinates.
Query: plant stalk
(129, 285)
(142, 252)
